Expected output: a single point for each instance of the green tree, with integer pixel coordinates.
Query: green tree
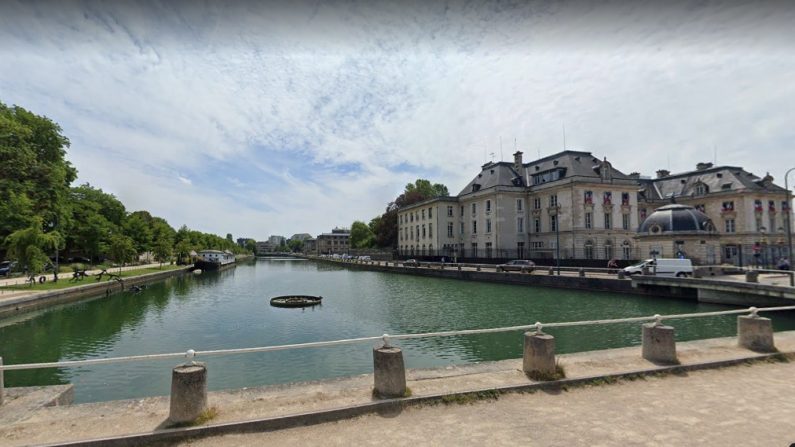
(229, 238)
(385, 227)
(31, 246)
(251, 245)
(295, 245)
(122, 249)
(361, 235)
(138, 226)
(34, 173)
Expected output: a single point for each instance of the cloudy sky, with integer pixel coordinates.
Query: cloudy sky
(261, 118)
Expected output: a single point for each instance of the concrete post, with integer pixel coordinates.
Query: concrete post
(644, 270)
(2, 386)
(389, 372)
(551, 271)
(582, 273)
(755, 333)
(659, 345)
(478, 268)
(751, 276)
(539, 353)
(459, 267)
(188, 392)
(620, 274)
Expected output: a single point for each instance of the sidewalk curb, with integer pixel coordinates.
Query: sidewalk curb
(341, 413)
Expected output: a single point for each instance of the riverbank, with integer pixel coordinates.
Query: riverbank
(300, 404)
(18, 300)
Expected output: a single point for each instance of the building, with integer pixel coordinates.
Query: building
(310, 246)
(277, 241)
(301, 237)
(241, 241)
(336, 242)
(264, 247)
(577, 206)
(569, 204)
(679, 231)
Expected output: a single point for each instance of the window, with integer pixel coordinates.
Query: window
(518, 204)
(759, 224)
(626, 250)
(449, 229)
(729, 225)
(430, 230)
(538, 244)
(625, 221)
(520, 250)
(608, 249)
(488, 225)
(520, 224)
(700, 189)
(462, 227)
(462, 210)
(588, 198)
(588, 221)
(537, 203)
(423, 214)
(553, 223)
(548, 176)
(553, 201)
(474, 208)
(450, 211)
(588, 249)
(607, 198)
(418, 232)
(537, 225)
(423, 231)
(727, 206)
(430, 213)
(488, 249)
(411, 216)
(474, 227)
(608, 221)
(625, 198)
(488, 206)
(474, 249)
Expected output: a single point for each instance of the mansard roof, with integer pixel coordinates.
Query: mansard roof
(576, 163)
(714, 179)
(493, 175)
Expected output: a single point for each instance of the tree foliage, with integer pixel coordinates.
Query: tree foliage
(30, 246)
(361, 235)
(385, 226)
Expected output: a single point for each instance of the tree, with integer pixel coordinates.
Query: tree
(30, 246)
(361, 235)
(230, 238)
(251, 245)
(122, 249)
(34, 173)
(295, 245)
(138, 227)
(163, 248)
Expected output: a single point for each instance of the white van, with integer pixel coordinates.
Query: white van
(665, 267)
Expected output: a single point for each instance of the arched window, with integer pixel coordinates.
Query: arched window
(700, 189)
(626, 250)
(608, 249)
(589, 249)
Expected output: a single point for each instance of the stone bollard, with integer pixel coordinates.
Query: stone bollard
(441, 267)
(697, 273)
(2, 389)
(188, 392)
(478, 269)
(620, 274)
(539, 354)
(551, 271)
(459, 267)
(389, 372)
(582, 273)
(755, 333)
(751, 276)
(659, 345)
(645, 271)
(524, 270)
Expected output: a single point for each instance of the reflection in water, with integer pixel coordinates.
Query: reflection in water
(230, 310)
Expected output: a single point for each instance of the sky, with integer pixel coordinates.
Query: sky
(259, 118)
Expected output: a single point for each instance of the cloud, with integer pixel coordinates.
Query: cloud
(303, 116)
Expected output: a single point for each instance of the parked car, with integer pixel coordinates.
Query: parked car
(665, 267)
(411, 263)
(6, 267)
(517, 265)
(364, 258)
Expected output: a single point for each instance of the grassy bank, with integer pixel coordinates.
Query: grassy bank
(65, 280)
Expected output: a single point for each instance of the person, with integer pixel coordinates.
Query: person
(783, 264)
(612, 264)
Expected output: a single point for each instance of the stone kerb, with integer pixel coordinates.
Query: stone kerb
(2, 385)
(755, 333)
(659, 345)
(751, 276)
(188, 393)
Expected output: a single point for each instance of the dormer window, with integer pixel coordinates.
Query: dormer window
(475, 187)
(700, 189)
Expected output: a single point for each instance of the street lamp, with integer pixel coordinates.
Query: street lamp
(789, 217)
(557, 238)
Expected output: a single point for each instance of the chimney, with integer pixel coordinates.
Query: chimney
(703, 166)
(634, 175)
(517, 161)
(663, 173)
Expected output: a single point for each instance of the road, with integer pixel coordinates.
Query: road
(65, 276)
(744, 405)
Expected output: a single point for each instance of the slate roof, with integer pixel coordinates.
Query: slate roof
(716, 179)
(493, 175)
(577, 163)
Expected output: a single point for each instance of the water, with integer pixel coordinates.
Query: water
(230, 310)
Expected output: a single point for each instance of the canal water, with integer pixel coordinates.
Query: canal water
(230, 310)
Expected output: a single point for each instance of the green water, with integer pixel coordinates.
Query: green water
(230, 310)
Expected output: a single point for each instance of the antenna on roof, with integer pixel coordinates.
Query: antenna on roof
(500, 147)
(564, 134)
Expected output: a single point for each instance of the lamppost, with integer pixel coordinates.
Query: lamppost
(789, 217)
(53, 226)
(763, 242)
(557, 238)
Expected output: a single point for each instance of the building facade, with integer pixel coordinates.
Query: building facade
(573, 205)
(336, 242)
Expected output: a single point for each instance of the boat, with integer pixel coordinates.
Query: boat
(214, 260)
(296, 301)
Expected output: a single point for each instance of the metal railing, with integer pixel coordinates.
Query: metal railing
(386, 338)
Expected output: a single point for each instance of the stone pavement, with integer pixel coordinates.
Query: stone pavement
(98, 420)
(741, 405)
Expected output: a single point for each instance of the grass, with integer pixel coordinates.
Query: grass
(538, 376)
(377, 395)
(65, 279)
(206, 416)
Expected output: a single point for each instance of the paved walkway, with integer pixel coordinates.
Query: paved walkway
(743, 405)
(23, 426)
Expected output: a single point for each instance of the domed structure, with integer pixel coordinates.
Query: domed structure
(679, 231)
(676, 218)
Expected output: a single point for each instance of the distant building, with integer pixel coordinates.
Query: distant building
(277, 240)
(338, 241)
(241, 241)
(301, 237)
(263, 247)
(310, 246)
